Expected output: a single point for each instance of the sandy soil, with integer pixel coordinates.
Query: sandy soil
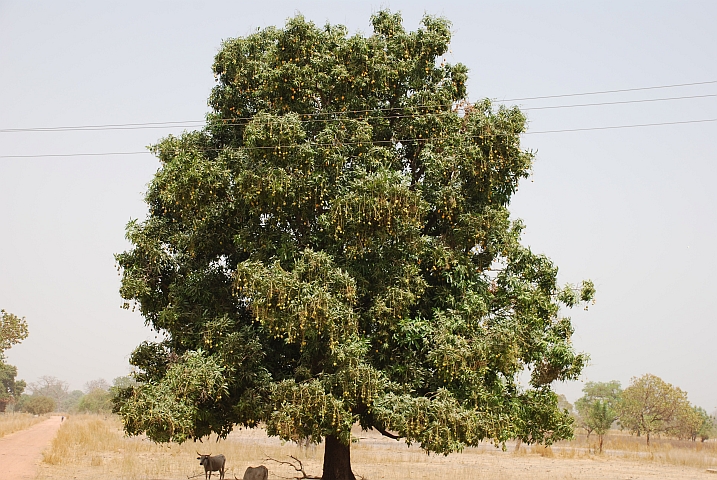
(21, 452)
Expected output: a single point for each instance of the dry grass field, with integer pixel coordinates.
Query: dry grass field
(12, 422)
(91, 447)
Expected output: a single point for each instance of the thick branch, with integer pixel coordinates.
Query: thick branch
(387, 434)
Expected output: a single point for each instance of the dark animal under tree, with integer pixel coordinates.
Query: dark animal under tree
(255, 473)
(212, 464)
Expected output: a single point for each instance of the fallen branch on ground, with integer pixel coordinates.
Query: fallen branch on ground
(298, 468)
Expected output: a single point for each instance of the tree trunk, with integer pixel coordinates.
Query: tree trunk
(600, 442)
(648, 439)
(337, 460)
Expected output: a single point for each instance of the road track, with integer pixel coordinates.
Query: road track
(21, 452)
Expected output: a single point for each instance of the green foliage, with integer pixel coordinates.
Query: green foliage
(692, 422)
(13, 330)
(10, 389)
(708, 427)
(71, 401)
(182, 405)
(601, 390)
(597, 407)
(335, 247)
(119, 385)
(36, 404)
(650, 405)
(95, 401)
(600, 417)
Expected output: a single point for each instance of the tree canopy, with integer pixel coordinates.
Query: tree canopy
(691, 422)
(650, 405)
(37, 404)
(607, 393)
(10, 388)
(96, 400)
(13, 330)
(335, 247)
(597, 407)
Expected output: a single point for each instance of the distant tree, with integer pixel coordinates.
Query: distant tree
(650, 405)
(601, 416)
(605, 392)
(49, 386)
(564, 404)
(97, 400)
(686, 423)
(121, 383)
(71, 401)
(693, 422)
(707, 425)
(597, 408)
(709, 428)
(99, 384)
(13, 330)
(36, 404)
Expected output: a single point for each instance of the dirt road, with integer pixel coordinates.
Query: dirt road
(20, 452)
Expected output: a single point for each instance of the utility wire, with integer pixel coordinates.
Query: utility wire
(111, 126)
(75, 154)
(610, 91)
(619, 102)
(374, 142)
(614, 127)
(243, 120)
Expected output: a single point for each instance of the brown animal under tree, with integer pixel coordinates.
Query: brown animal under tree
(212, 464)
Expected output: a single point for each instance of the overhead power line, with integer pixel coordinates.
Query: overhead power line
(279, 147)
(647, 100)
(602, 92)
(45, 155)
(614, 127)
(243, 120)
(109, 126)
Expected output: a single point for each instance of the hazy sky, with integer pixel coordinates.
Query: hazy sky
(632, 208)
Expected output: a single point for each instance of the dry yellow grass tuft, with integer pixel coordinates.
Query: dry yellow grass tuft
(667, 451)
(96, 445)
(12, 422)
(89, 447)
(79, 435)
